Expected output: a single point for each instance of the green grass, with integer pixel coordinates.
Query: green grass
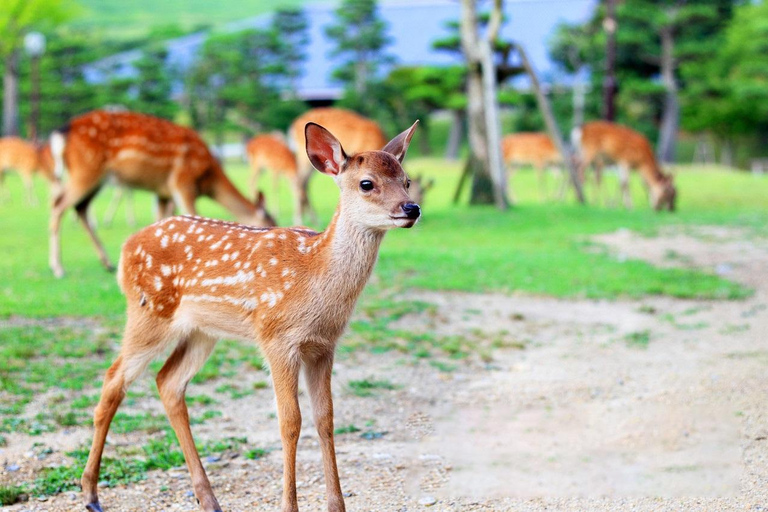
(10, 494)
(368, 387)
(539, 248)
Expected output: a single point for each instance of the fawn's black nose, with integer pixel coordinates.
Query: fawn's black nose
(412, 210)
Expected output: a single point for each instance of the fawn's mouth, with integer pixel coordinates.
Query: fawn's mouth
(404, 221)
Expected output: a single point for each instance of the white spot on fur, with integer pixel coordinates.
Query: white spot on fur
(166, 270)
(158, 283)
(164, 242)
(158, 232)
(273, 261)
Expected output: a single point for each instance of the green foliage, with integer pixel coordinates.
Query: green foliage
(727, 94)
(154, 85)
(361, 37)
(19, 16)
(238, 79)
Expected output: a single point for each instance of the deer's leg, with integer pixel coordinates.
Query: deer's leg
(285, 379)
(114, 204)
(317, 372)
(165, 207)
(598, 166)
(172, 382)
(624, 180)
(130, 210)
(184, 191)
(142, 342)
(29, 185)
(82, 213)
(70, 195)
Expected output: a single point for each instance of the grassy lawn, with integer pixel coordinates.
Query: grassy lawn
(55, 366)
(536, 247)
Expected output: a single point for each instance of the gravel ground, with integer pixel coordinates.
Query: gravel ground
(577, 414)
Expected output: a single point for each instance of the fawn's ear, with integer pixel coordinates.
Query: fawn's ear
(398, 146)
(259, 202)
(324, 150)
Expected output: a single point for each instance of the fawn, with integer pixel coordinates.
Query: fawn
(139, 151)
(356, 133)
(26, 158)
(535, 149)
(269, 152)
(190, 280)
(630, 150)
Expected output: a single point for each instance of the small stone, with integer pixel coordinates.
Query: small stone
(427, 501)
(13, 467)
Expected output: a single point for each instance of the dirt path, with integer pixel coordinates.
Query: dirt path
(656, 404)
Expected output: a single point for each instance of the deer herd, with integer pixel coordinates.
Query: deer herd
(190, 280)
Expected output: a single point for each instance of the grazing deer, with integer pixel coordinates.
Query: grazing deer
(189, 281)
(629, 150)
(139, 151)
(27, 159)
(535, 149)
(269, 152)
(356, 133)
(419, 188)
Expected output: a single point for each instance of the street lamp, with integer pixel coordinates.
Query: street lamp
(34, 45)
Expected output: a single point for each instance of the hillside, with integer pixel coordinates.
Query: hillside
(134, 19)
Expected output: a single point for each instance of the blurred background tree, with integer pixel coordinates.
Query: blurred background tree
(17, 17)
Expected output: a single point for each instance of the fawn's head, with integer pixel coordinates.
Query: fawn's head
(664, 195)
(374, 186)
(261, 217)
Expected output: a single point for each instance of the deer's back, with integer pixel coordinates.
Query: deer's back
(355, 132)
(140, 150)
(18, 154)
(529, 147)
(269, 152)
(194, 270)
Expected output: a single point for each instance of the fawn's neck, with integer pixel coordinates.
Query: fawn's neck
(350, 251)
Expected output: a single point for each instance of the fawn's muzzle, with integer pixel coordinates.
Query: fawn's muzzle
(411, 210)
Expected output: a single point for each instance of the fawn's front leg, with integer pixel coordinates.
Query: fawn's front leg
(285, 379)
(318, 376)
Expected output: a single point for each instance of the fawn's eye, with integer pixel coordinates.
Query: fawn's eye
(366, 185)
(408, 184)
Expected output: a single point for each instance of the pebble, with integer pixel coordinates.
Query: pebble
(427, 501)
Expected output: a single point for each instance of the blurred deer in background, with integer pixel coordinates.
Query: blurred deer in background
(535, 149)
(144, 152)
(419, 188)
(27, 159)
(629, 150)
(189, 281)
(355, 132)
(270, 153)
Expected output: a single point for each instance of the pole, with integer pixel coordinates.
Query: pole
(609, 82)
(35, 97)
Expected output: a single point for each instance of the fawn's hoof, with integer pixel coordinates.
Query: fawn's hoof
(94, 507)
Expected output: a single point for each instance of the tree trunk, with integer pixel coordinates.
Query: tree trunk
(670, 117)
(482, 108)
(456, 135)
(726, 152)
(11, 95)
(609, 82)
(549, 120)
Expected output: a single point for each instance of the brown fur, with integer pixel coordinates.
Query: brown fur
(143, 152)
(27, 159)
(631, 151)
(189, 281)
(355, 132)
(531, 148)
(270, 153)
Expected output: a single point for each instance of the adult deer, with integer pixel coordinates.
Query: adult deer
(27, 159)
(629, 150)
(535, 149)
(190, 280)
(139, 151)
(355, 132)
(269, 152)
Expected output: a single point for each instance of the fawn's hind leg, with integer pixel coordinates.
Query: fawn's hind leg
(142, 342)
(172, 382)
